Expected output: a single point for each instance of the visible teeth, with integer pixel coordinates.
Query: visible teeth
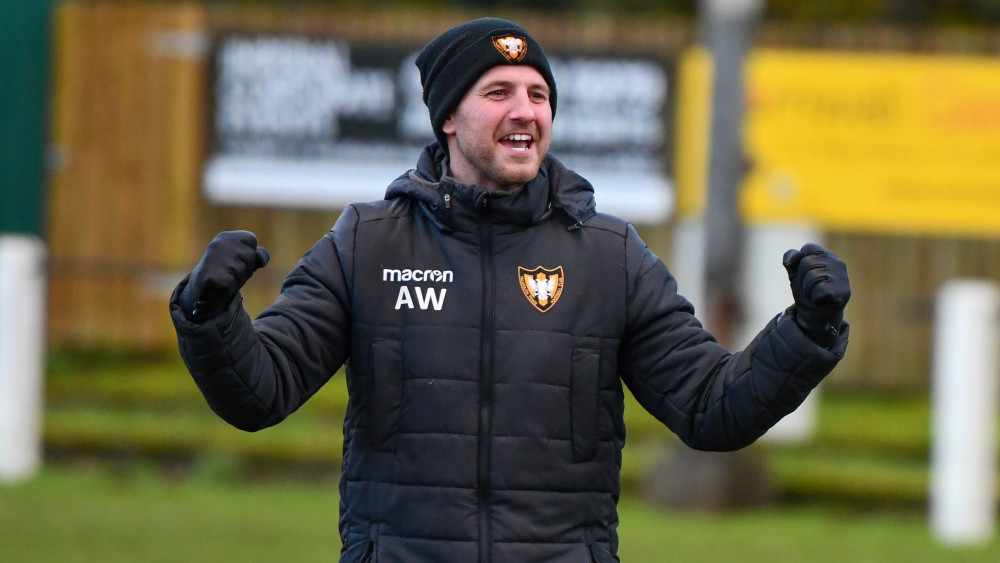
(518, 137)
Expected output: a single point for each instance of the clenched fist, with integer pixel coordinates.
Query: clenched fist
(229, 261)
(821, 290)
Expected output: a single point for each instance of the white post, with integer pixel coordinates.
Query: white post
(964, 411)
(22, 313)
(768, 293)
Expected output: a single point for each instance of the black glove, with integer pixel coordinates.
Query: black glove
(229, 261)
(820, 288)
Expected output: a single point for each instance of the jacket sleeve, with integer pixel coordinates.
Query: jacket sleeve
(711, 398)
(253, 374)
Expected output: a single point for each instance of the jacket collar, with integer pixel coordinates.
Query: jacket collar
(453, 205)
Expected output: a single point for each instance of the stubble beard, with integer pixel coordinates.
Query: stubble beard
(494, 172)
(506, 176)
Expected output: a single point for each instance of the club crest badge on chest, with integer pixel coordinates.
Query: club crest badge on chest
(541, 286)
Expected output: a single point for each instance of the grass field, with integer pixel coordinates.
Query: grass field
(138, 469)
(91, 514)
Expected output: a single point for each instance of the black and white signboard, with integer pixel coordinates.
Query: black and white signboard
(321, 123)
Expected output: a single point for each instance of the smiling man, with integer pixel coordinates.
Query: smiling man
(490, 320)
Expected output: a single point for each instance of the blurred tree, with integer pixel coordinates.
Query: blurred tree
(909, 11)
(915, 11)
(623, 6)
(986, 9)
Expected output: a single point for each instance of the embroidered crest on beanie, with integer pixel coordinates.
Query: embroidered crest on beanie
(512, 48)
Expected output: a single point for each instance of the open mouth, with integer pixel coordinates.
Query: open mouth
(518, 142)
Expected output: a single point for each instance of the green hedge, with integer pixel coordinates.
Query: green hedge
(868, 449)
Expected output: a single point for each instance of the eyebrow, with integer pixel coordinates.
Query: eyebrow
(508, 84)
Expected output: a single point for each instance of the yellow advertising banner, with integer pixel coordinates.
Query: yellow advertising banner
(874, 143)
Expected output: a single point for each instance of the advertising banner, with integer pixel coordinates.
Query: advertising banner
(321, 123)
(873, 142)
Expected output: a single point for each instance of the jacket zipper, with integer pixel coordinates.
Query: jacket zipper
(485, 391)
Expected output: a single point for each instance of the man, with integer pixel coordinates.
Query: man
(488, 317)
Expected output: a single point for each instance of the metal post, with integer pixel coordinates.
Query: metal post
(727, 30)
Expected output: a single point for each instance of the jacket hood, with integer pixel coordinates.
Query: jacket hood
(555, 190)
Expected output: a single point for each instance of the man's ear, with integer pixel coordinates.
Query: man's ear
(448, 127)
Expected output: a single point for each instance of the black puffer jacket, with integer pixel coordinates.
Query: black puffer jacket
(486, 340)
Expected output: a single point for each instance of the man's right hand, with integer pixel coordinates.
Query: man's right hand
(229, 261)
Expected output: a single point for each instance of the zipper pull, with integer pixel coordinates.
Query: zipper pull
(447, 194)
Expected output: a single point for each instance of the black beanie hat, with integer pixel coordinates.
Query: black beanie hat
(453, 61)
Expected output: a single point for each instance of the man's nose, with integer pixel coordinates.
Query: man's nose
(522, 108)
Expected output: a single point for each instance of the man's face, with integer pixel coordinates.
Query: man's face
(500, 131)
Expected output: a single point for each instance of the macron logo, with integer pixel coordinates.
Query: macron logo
(426, 297)
(389, 275)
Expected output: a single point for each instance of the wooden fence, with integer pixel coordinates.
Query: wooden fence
(130, 132)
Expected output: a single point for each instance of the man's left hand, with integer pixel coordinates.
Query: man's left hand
(821, 290)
